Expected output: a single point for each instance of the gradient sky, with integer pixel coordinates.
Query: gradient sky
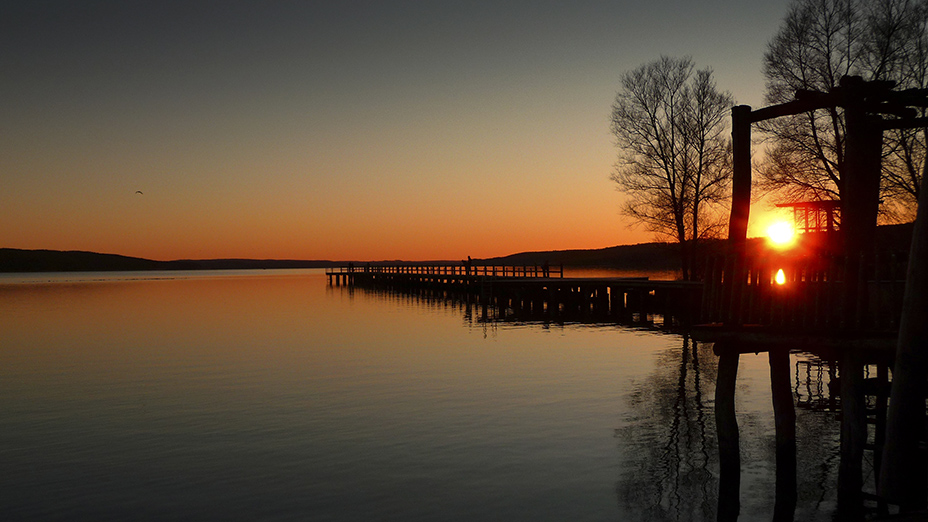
(336, 129)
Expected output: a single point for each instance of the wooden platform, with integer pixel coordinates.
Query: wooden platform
(809, 311)
(511, 290)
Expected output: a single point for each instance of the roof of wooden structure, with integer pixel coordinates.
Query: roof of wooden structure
(825, 204)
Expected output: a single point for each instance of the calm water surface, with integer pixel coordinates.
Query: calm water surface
(271, 396)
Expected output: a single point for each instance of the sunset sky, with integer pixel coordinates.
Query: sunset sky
(336, 129)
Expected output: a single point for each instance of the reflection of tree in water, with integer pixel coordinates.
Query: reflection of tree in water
(670, 448)
(672, 456)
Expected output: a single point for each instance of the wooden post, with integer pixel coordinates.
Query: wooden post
(902, 472)
(861, 191)
(726, 425)
(853, 436)
(740, 208)
(785, 420)
(741, 173)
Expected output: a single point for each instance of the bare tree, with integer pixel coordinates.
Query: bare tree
(819, 42)
(670, 123)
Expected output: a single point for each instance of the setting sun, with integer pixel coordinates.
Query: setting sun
(781, 233)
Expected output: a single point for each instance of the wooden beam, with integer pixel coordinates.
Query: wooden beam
(790, 108)
(913, 123)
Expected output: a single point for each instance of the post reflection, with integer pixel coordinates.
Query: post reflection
(784, 414)
(828, 450)
(691, 458)
(729, 437)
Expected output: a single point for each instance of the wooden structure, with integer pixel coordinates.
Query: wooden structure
(846, 283)
(452, 274)
(534, 292)
(815, 216)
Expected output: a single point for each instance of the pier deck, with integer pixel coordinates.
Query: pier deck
(527, 290)
(807, 308)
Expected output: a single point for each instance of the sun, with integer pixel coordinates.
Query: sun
(781, 234)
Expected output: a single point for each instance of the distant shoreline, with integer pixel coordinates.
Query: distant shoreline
(642, 256)
(27, 261)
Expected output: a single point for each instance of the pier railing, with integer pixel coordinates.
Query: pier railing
(784, 293)
(806, 293)
(502, 271)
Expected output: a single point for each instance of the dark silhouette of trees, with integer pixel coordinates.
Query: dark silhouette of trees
(819, 42)
(671, 128)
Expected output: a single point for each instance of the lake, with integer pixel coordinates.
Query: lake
(268, 395)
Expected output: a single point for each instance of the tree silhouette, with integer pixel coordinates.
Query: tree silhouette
(670, 123)
(819, 42)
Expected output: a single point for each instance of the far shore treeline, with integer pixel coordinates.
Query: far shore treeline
(651, 256)
(643, 257)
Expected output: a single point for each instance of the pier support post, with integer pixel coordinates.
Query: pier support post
(785, 419)
(853, 436)
(726, 425)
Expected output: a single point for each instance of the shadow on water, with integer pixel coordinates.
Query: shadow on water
(690, 452)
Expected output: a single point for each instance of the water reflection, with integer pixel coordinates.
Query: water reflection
(280, 398)
(669, 442)
(694, 451)
(671, 450)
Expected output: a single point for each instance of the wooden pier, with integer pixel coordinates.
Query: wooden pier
(436, 273)
(534, 291)
(807, 307)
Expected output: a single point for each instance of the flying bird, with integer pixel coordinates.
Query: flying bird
(138, 191)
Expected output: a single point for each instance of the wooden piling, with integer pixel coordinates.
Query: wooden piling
(726, 424)
(853, 435)
(785, 421)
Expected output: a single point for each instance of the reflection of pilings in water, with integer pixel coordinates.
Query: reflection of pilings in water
(729, 438)
(488, 302)
(812, 385)
(853, 436)
(860, 396)
(785, 421)
(862, 405)
(812, 390)
(729, 441)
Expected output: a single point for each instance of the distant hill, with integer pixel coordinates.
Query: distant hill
(643, 256)
(654, 256)
(665, 256)
(16, 260)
